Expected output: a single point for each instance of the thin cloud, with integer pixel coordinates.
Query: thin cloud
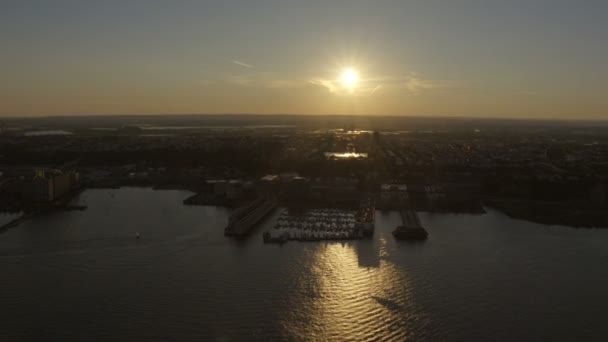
(417, 85)
(365, 87)
(329, 84)
(259, 79)
(413, 83)
(243, 64)
(279, 84)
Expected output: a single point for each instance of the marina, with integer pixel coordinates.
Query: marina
(323, 224)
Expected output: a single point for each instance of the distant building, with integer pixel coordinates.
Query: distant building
(234, 189)
(287, 176)
(38, 189)
(231, 190)
(49, 185)
(268, 184)
(335, 189)
(270, 178)
(393, 196)
(297, 188)
(376, 136)
(598, 194)
(434, 193)
(219, 187)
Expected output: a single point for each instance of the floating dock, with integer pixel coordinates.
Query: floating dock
(246, 217)
(411, 229)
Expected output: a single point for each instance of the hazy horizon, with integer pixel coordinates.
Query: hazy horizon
(395, 116)
(522, 59)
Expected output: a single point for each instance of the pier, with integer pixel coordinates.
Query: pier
(40, 209)
(246, 217)
(412, 228)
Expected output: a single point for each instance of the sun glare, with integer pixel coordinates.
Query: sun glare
(350, 78)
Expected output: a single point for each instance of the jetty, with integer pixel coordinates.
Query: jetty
(411, 229)
(246, 217)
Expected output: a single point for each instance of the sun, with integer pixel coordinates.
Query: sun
(350, 78)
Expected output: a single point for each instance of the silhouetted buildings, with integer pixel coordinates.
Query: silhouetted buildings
(598, 194)
(48, 185)
(393, 196)
(452, 169)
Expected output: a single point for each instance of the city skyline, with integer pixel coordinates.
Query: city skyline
(524, 59)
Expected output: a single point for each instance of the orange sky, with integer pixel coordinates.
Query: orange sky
(544, 59)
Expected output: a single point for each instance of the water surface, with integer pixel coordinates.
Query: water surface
(84, 275)
(46, 132)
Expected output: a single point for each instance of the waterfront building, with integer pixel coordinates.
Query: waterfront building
(49, 185)
(393, 196)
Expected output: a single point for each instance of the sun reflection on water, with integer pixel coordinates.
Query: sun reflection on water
(351, 294)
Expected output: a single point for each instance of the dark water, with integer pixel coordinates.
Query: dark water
(84, 276)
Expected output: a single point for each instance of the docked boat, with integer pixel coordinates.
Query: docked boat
(268, 238)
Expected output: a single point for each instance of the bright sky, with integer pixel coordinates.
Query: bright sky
(495, 58)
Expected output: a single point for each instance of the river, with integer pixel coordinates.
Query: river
(84, 275)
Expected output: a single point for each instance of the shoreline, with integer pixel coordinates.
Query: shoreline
(573, 214)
